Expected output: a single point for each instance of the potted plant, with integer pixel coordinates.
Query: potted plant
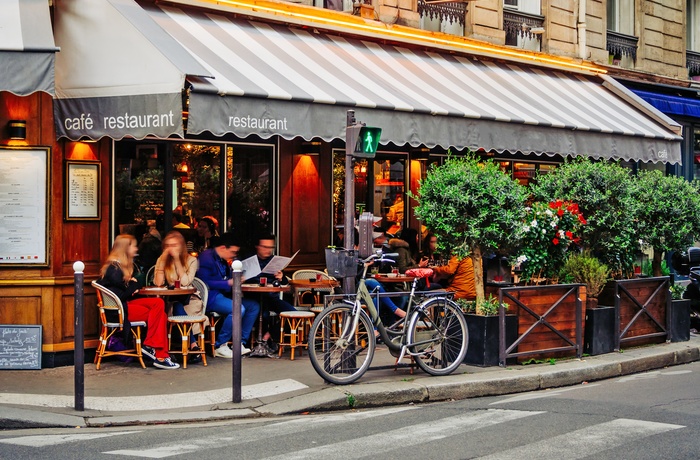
(599, 326)
(483, 330)
(473, 207)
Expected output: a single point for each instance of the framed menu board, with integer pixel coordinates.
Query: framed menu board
(82, 194)
(24, 186)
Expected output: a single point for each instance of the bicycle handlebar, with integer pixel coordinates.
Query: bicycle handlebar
(381, 258)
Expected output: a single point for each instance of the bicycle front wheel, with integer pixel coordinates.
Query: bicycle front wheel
(341, 344)
(438, 336)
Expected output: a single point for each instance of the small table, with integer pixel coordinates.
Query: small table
(394, 279)
(312, 284)
(152, 291)
(261, 350)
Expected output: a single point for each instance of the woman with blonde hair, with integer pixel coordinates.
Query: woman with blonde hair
(118, 276)
(176, 264)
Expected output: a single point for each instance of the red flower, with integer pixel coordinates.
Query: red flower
(573, 208)
(560, 212)
(555, 241)
(581, 219)
(577, 240)
(555, 204)
(569, 235)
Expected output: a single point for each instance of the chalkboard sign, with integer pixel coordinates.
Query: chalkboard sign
(20, 346)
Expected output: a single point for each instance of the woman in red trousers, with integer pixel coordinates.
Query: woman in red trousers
(117, 276)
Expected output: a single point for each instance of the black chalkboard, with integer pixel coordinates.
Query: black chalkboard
(20, 346)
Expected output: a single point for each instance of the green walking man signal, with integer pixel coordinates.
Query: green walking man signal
(362, 141)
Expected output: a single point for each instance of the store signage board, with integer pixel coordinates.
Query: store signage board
(20, 347)
(24, 185)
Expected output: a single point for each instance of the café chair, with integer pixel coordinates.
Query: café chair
(214, 317)
(301, 294)
(184, 323)
(150, 275)
(297, 322)
(112, 319)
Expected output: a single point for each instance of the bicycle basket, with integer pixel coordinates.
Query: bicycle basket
(341, 263)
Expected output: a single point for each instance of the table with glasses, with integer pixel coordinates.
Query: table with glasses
(261, 350)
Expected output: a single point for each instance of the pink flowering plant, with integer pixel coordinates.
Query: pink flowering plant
(547, 234)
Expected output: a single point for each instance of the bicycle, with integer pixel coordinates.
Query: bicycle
(342, 337)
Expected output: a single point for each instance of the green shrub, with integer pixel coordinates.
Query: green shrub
(584, 268)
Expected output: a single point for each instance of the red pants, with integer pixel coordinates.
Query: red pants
(152, 311)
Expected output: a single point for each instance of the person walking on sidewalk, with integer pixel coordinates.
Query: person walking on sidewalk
(117, 276)
(215, 271)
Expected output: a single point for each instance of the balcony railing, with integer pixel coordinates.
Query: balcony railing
(452, 11)
(692, 62)
(622, 45)
(518, 23)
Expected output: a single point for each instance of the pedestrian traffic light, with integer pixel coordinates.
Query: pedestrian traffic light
(362, 141)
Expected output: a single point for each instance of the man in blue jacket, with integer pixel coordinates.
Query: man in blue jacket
(215, 271)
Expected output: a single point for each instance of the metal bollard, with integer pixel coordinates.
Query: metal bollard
(236, 339)
(79, 336)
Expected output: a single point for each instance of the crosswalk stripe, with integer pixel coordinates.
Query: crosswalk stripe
(586, 442)
(408, 436)
(256, 434)
(55, 439)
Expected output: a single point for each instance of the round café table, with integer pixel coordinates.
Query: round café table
(261, 350)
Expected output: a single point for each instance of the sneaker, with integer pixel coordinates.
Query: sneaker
(165, 364)
(148, 352)
(244, 350)
(194, 358)
(225, 352)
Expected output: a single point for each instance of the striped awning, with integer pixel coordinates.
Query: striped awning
(277, 80)
(27, 49)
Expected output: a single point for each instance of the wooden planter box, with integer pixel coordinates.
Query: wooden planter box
(484, 338)
(641, 307)
(550, 321)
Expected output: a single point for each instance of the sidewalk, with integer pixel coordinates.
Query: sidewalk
(125, 394)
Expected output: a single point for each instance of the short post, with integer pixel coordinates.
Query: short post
(236, 339)
(79, 336)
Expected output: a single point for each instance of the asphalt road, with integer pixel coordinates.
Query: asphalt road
(653, 415)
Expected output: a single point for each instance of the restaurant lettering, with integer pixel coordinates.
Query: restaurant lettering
(85, 122)
(273, 124)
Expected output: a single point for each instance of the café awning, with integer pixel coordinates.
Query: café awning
(280, 80)
(27, 49)
(672, 105)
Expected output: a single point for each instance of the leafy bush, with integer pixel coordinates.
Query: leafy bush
(486, 307)
(603, 192)
(677, 291)
(586, 269)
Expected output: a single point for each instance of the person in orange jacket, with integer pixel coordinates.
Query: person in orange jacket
(460, 275)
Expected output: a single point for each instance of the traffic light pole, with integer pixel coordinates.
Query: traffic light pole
(349, 224)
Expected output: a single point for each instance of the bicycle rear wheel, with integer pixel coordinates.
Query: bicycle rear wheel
(339, 352)
(438, 336)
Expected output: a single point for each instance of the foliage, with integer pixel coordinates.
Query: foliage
(548, 231)
(677, 291)
(472, 207)
(648, 268)
(603, 192)
(486, 307)
(584, 268)
(668, 213)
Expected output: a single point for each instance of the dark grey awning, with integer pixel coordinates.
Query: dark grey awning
(276, 80)
(27, 49)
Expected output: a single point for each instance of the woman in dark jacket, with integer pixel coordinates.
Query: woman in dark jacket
(117, 276)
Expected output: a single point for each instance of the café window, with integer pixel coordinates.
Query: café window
(693, 25)
(380, 188)
(525, 172)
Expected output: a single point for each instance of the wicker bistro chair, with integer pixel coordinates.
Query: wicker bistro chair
(302, 294)
(184, 323)
(110, 305)
(214, 317)
(150, 275)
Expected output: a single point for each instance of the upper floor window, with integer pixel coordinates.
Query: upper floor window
(693, 24)
(523, 23)
(446, 17)
(621, 16)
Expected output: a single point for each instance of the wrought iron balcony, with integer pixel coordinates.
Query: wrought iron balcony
(518, 23)
(621, 45)
(442, 10)
(692, 62)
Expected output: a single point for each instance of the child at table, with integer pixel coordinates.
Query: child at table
(117, 276)
(176, 264)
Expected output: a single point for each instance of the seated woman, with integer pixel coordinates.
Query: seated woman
(176, 264)
(117, 276)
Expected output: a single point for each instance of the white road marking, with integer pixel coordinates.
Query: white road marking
(55, 439)
(380, 443)
(542, 394)
(256, 434)
(586, 442)
(155, 402)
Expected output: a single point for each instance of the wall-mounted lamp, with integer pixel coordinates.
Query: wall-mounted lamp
(421, 154)
(311, 148)
(17, 129)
